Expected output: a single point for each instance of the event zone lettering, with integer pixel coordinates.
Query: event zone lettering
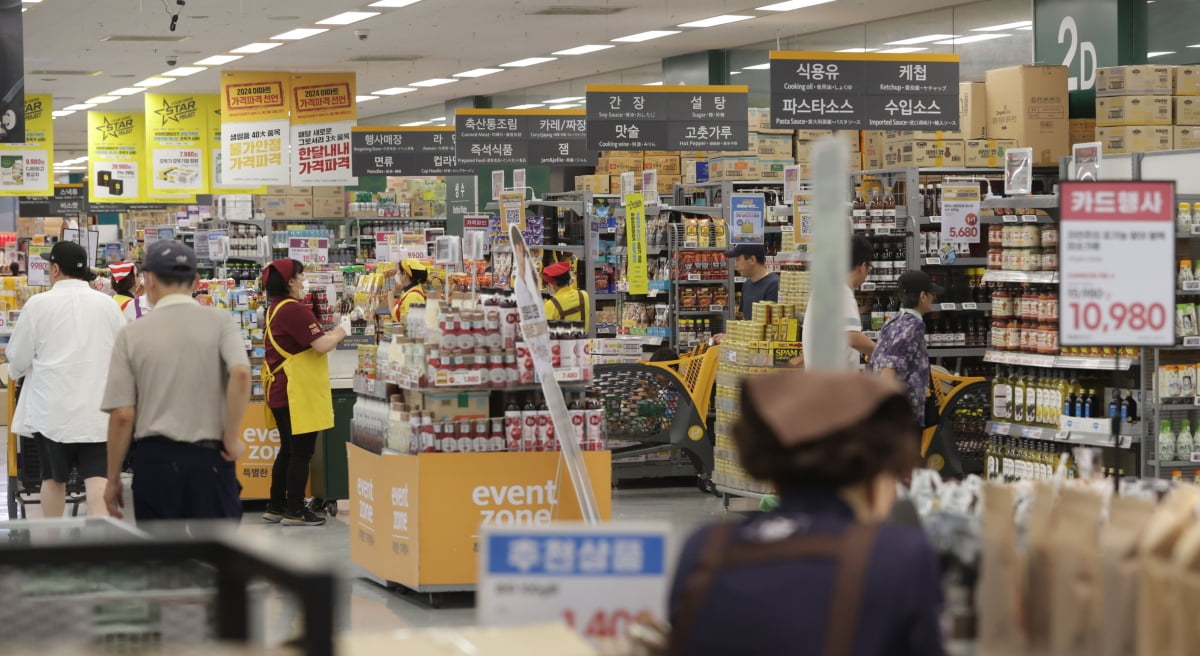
(487, 497)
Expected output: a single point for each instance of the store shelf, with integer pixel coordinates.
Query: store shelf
(963, 307)
(577, 250)
(960, 262)
(707, 210)
(957, 352)
(734, 492)
(628, 471)
(576, 206)
(1059, 362)
(1024, 277)
(701, 282)
(1041, 202)
(606, 297)
(702, 313)
(1173, 464)
(1053, 434)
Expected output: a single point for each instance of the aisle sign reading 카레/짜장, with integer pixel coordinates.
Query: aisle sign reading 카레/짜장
(668, 118)
(1117, 264)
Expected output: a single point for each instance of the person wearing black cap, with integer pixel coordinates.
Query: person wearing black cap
(750, 262)
(901, 351)
(62, 345)
(566, 302)
(178, 386)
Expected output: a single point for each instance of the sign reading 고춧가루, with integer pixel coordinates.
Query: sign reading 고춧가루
(667, 118)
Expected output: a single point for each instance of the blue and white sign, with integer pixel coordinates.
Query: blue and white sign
(598, 579)
(747, 219)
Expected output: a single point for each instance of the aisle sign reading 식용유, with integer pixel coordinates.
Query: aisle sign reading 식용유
(415, 151)
(1117, 264)
(852, 91)
(520, 137)
(668, 118)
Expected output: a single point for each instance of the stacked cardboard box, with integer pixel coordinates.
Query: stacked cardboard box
(1134, 108)
(303, 202)
(1028, 104)
(1186, 87)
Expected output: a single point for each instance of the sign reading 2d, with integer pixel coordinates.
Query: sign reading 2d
(667, 118)
(851, 91)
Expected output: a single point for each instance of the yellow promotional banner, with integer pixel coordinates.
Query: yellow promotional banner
(176, 144)
(323, 98)
(217, 184)
(635, 236)
(255, 130)
(250, 96)
(116, 157)
(25, 168)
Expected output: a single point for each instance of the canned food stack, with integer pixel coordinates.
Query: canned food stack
(794, 286)
(1023, 247)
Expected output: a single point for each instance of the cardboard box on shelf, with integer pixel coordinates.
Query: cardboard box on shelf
(615, 166)
(760, 121)
(852, 137)
(873, 146)
(802, 151)
(939, 135)
(1135, 138)
(335, 191)
(1029, 104)
(27, 227)
(278, 191)
(1135, 80)
(329, 208)
(772, 169)
(771, 145)
(1187, 110)
(812, 134)
(299, 207)
(919, 152)
(695, 171)
(421, 209)
(972, 109)
(664, 164)
(614, 185)
(274, 206)
(666, 184)
(1133, 110)
(1186, 138)
(893, 154)
(1187, 80)
(987, 152)
(1083, 130)
(451, 405)
(597, 184)
(733, 168)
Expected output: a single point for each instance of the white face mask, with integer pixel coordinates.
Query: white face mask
(304, 287)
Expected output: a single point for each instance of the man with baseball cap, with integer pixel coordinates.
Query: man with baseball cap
(566, 302)
(901, 351)
(750, 262)
(62, 345)
(180, 395)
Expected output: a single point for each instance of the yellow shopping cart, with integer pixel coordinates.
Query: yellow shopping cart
(955, 446)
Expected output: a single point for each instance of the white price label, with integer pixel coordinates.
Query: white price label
(1031, 432)
(1195, 457)
(868, 287)
(1062, 435)
(1126, 441)
(693, 277)
(716, 308)
(950, 307)
(1029, 218)
(1011, 218)
(970, 306)
(1003, 429)
(933, 261)
(1196, 228)
(1196, 401)
(739, 279)
(1191, 341)
(611, 231)
(653, 293)
(935, 219)
(787, 228)
(883, 232)
(1191, 285)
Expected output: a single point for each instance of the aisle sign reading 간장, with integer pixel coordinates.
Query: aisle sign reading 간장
(853, 91)
(25, 167)
(309, 250)
(1117, 264)
(668, 118)
(516, 137)
(747, 219)
(404, 151)
(960, 214)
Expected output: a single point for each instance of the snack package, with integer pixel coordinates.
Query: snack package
(1190, 329)
(1174, 383)
(1187, 380)
(1113, 625)
(1156, 600)
(1185, 272)
(1076, 573)
(998, 595)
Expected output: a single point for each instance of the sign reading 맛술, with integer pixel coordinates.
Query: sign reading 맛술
(515, 137)
(668, 118)
(1116, 265)
(852, 91)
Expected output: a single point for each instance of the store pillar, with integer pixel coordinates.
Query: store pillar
(697, 68)
(1085, 35)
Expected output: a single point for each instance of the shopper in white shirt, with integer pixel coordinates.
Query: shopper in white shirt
(62, 345)
(857, 344)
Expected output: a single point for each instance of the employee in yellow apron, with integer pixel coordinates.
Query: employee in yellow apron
(566, 302)
(410, 277)
(296, 385)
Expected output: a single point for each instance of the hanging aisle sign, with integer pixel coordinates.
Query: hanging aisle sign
(853, 91)
(516, 137)
(412, 151)
(960, 214)
(116, 149)
(176, 144)
(1117, 264)
(216, 178)
(255, 130)
(668, 118)
(25, 168)
(323, 111)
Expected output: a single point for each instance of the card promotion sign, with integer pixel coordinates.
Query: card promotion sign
(1117, 264)
(747, 219)
(853, 91)
(668, 118)
(404, 151)
(520, 137)
(960, 214)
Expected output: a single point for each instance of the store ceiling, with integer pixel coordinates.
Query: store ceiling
(79, 50)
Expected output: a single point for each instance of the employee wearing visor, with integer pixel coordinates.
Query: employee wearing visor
(566, 302)
(410, 277)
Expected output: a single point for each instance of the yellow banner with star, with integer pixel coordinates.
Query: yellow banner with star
(116, 157)
(177, 143)
(25, 168)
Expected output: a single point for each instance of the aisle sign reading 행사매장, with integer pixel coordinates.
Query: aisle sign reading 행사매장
(863, 91)
(960, 214)
(413, 151)
(1117, 264)
(668, 118)
(519, 137)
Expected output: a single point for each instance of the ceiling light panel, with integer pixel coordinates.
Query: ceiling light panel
(362, 99)
(300, 33)
(127, 91)
(974, 38)
(793, 5)
(716, 20)
(79, 108)
(646, 36)
(392, 4)
(254, 48)
(859, 50)
(582, 50)
(348, 17)
(61, 113)
(928, 38)
(479, 72)
(901, 51)
(526, 106)
(218, 60)
(153, 82)
(184, 71)
(414, 124)
(1005, 26)
(1160, 54)
(528, 61)
(100, 100)
(653, 84)
(433, 82)
(757, 67)
(566, 106)
(394, 91)
(568, 99)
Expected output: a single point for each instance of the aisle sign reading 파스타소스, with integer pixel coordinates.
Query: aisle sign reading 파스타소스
(1117, 264)
(668, 118)
(960, 214)
(747, 219)
(600, 580)
(400, 151)
(25, 166)
(520, 137)
(853, 91)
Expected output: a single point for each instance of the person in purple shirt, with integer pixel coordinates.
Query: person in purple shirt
(824, 574)
(901, 351)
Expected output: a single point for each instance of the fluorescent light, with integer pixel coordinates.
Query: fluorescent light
(526, 106)
(858, 50)
(415, 124)
(920, 39)
(1005, 26)
(79, 107)
(735, 72)
(184, 71)
(217, 60)
(479, 72)
(792, 5)
(253, 48)
(1160, 54)
(716, 20)
(60, 113)
(1027, 28)
(566, 106)
(653, 84)
(757, 67)
(974, 38)
(582, 50)
(127, 91)
(528, 61)
(363, 99)
(432, 82)
(393, 91)
(646, 36)
(348, 17)
(30, 2)
(100, 100)
(394, 3)
(568, 99)
(900, 51)
(300, 33)
(154, 82)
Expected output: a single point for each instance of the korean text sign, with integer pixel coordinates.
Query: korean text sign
(1117, 276)
(667, 118)
(747, 221)
(25, 167)
(960, 213)
(635, 236)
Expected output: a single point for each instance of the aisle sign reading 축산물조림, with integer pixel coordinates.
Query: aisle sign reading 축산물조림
(520, 137)
(960, 214)
(668, 118)
(1117, 264)
(747, 219)
(863, 91)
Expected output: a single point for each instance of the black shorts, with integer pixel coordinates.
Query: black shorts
(57, 459)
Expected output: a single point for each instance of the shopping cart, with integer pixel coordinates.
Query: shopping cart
(25, 470)
(657, 404)
(955, 446)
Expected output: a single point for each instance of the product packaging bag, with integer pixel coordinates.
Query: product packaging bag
(1039, 610)
(998, 595)
(1115, 623)
(1156, 587)
(1186, 627)
(1075, 594)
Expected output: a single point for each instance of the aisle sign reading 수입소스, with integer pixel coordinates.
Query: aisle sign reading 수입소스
(667, 118)
(520, 137)
(1116, 266)
(177, 140)
(747, 219)
(116, 145)
(25, 166)
(635, 236)
(254, 127)
(600, 580)
(309, 250)
(853, 91)
(404, 151)
(960, 213)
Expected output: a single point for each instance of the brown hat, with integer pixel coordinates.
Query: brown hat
(806, 406)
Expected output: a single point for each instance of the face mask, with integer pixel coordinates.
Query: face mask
(304, 287)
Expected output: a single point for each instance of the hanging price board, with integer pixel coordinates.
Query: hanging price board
(309, 250)
(960, 214)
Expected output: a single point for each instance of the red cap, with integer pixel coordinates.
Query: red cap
(555, 270)
(284, 267)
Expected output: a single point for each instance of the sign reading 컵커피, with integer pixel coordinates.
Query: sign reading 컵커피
(404, 151)
(960, 214)
(667, 118)
(520, 137)
(1116, 265)
(863, 91)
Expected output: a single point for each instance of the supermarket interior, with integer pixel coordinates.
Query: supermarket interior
(524, 327)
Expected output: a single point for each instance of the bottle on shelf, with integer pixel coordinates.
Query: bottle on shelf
(1129, 408)
(1018, 393)
(1166, 442)
(1185, 443)
(1001, 396)
(859, 212)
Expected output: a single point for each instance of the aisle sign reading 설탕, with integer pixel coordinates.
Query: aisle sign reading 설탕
(25, 167)
(404, 151)
(863, 91)
(667, 118)
(1117, 264)
(960, 214)
(520, 137)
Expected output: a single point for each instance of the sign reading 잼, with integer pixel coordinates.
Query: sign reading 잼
(667, 118)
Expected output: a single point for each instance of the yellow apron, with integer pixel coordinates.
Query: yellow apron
(400, 309)
(310, 399)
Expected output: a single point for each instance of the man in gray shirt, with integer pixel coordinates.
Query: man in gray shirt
(178, 385)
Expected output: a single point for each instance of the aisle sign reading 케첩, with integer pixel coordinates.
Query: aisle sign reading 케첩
(116, 149)
(600, 580)
(321, 154)
(404, 151)
(25, 167)
(1117, 264)
(747, 219)
(309, 250)
(216, 179)
(323, 98)
(635, 236)
(177, 140)
(863, 91)
(519, 137)
(38, 268)
(960, 214)
(667, 118)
